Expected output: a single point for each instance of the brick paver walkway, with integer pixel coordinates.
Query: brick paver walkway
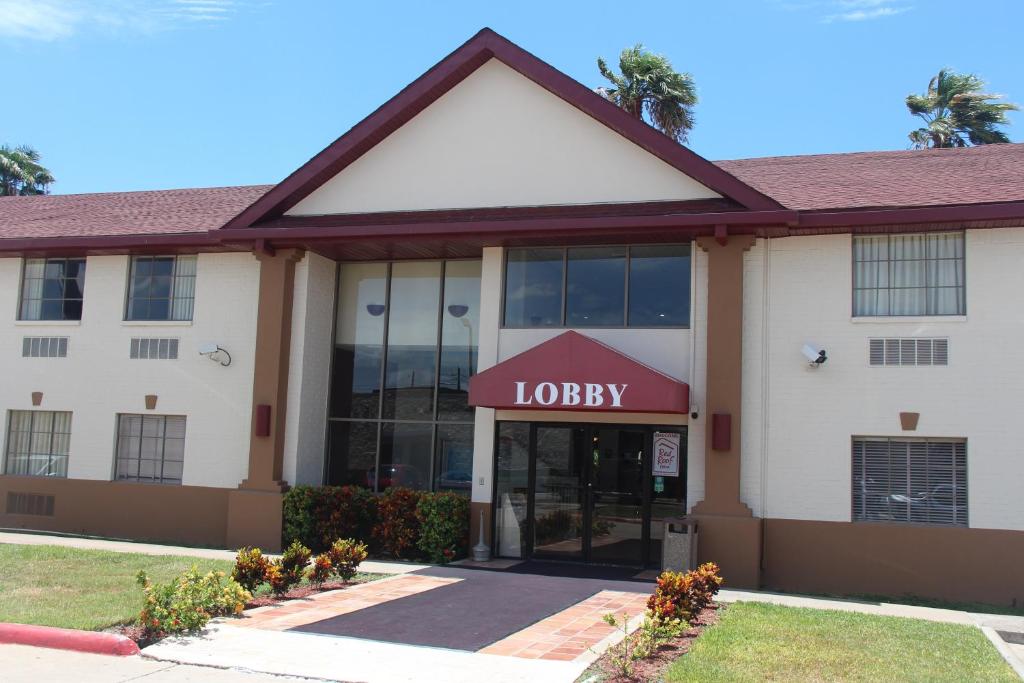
(571, 632)
(334, 603)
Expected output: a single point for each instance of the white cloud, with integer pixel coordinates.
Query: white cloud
(49, 20)
(830, 11)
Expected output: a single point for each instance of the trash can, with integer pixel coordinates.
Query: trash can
(679, 544)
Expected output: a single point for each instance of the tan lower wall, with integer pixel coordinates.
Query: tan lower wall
(948, 563)
(193, 515)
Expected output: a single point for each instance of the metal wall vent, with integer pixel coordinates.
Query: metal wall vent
(29, 504)
(146, 348)
(44, 347)
(909, 351)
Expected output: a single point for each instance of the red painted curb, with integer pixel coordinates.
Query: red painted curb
(68, 639)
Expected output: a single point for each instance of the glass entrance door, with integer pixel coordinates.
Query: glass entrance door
(560, 492)
(617, 528)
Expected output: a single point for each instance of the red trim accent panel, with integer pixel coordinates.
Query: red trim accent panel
(262, 420)
(68, 639)
(575, 372)
(721, 432)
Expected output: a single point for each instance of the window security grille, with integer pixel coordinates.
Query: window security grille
(910, 480)
(913, 351)
(145, 348)
(44, 347)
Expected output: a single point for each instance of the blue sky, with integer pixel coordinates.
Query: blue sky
(149, 94)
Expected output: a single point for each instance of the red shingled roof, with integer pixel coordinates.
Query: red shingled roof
(158, 212)
(975, 175)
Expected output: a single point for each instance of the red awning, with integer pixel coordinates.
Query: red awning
(575, 372)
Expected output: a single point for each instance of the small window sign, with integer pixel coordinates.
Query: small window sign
(659, 484)
(666, 454)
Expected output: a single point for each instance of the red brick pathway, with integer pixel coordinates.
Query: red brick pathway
(571, 632)
(334, 603)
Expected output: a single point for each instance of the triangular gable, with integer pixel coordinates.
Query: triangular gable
(456, 67)
(576, 372)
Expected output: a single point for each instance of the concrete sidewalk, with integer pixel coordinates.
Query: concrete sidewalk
(26, 538)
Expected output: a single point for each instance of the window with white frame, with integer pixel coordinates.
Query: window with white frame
(38, 443)
(150, 448)
(52, 289)
(913, 274)
(910, 480)
(161, 288)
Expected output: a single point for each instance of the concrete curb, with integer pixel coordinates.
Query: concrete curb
(94, 642)
(1004, 650)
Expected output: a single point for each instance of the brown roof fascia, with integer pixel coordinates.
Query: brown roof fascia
(442, 77)
(910, 215)
(113, 244)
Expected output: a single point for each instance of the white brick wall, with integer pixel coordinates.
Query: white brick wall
(812, 414)
(97, 380)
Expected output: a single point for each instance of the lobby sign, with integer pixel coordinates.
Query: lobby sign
(666, 454)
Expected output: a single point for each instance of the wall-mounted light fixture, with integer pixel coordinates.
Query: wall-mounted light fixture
(215, 353)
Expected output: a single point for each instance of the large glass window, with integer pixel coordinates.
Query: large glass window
(150, 448)
(52, 289)
(161, 288)
(38, 443)
(918, 274)
(910, 480)
(405, 348)
(639, 286)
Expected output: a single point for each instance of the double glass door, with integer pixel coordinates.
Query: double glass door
(591, 494)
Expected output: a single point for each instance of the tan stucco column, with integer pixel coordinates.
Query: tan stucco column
(254, 510)
(729, 533)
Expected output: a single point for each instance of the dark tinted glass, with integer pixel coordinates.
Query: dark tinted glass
(412, 340)
(659, 286)
(460, 332)
(512, 481)
(596, 287)
(353, 452)
(404, 456)
(359, 340)
(533, 288)
(454, 458)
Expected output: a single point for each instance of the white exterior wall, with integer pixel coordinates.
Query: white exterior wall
(309, 369)
(499, 139)
(97, 380)
(812, 414)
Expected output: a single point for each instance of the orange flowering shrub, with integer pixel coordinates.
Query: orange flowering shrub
(250, 568)
(188, 602)
(320, 570)
(682, 596)
(345, 556)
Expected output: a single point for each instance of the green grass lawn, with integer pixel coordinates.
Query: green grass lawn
(88, 589)
(759, 642)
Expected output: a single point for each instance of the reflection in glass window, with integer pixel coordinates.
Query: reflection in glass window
(412, 340)
(460, 330)
(359, 340)
(387, 330)
(161, 288)
(52, 289)
(38, 443)
(595, 287)
(533, 287)
(512, 473)
(659, 286)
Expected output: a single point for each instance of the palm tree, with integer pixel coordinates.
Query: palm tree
(649, 86)
(21, 173)
(958, 112)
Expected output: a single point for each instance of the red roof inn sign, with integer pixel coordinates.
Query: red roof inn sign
(574, 372)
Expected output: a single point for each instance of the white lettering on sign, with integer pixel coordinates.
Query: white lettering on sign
(666, 454)
(570, 394)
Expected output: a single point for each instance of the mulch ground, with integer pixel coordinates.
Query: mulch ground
(653, 668)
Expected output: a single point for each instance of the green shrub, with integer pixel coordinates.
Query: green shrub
(397, 527)
(345, 556)
(444, 526)
(189, 601)
(317, 515)
(320, 570)
(250, 568)
(681, 597)
(288, 571)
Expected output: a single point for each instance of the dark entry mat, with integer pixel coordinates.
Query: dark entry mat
(484, 607)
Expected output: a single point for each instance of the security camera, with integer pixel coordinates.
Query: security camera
(215, 353)
(815, 357)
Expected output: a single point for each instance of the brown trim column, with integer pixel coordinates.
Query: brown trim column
(728, 532)
(254, 510)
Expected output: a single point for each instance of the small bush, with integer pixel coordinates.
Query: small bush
(250, 568)
(345, 556)
(295, 558)
(321, 570)
(681, 596)
(288, 571)
(280, 581)
(189, 601)
(444, 526)
(398, 528)
(317, 515)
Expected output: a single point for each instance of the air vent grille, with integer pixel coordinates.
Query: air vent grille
(909, 351)
(44, 347)
(153, 348)
(29, 504)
